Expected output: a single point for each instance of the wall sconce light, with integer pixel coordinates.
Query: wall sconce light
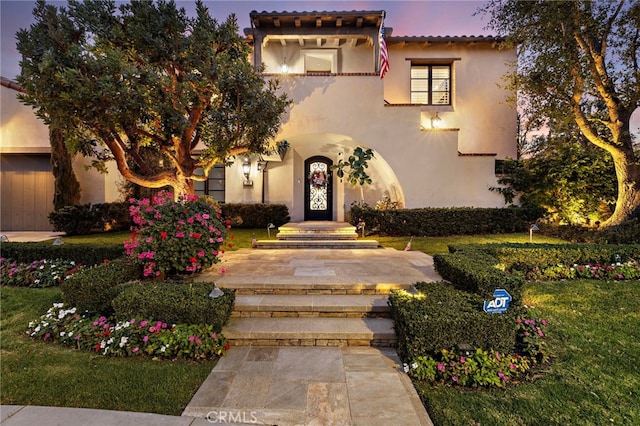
(246, 169)
(436, 121)
(284, 68)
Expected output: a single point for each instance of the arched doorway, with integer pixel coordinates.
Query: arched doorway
(318, 190)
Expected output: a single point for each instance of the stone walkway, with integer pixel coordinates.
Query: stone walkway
(299, 384)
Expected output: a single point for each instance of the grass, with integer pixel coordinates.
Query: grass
(38, 373)
(594, 330)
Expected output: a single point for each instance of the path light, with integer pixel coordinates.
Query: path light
(533, 227)
(269, 228)
(216, 292)
(4, 239)
(58, 242)
(246, 169)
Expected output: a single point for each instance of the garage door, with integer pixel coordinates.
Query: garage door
(27, 187)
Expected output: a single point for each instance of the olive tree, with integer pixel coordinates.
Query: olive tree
(578, 61)
(145, 75)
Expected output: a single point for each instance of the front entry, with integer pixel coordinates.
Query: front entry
(318, 191)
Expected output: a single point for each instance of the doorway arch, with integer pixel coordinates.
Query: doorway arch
(318, 190)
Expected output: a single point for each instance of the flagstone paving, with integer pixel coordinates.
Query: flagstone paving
(311, 338)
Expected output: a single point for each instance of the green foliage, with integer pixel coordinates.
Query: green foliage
(477, 271)
(357, 165)
(445, 221)
(134, 337)
(574, 183)
(38, 274)
(93, 289)
(626, 233)
(175, 302)
(175, 237)
(578, 69)
(255, 215)
(84, 219)
(87, 254)
(442, 317)
(145, 74)
(479, 369)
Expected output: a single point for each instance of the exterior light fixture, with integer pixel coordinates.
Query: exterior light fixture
(284, 68)
(262, 165)
(436, 121)
(246, 169)
(533, 227)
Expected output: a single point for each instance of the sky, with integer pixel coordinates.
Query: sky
(405, 17)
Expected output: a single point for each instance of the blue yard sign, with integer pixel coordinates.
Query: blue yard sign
(499, 304)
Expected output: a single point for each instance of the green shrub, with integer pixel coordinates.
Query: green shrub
(474, 270)
(255, 215)
(175, 302)
(86, 254)
(625, 233)
(442, 317)
(445, 221)
(83, 219)
(93, 289)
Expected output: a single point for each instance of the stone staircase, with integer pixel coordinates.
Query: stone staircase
(317, 234)
(317, 297)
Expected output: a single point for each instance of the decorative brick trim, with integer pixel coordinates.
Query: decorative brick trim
(477, 154)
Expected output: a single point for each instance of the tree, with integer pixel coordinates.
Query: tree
(357, 163)
(146, 76)
(579, 61)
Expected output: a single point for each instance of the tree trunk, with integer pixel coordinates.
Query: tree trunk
(628, 202)
(66, 186)
(182, 186)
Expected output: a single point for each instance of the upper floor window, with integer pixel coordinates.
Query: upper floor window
(430, 84)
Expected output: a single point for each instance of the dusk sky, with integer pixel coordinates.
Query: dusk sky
(412, 18)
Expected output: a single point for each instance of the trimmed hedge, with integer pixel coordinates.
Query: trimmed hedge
(174, 302)
(523, 257)
(429, 222)
(93, 289)
(442, 317)
(83, 219)
(474, 270)
(86, 254)
(255, 215)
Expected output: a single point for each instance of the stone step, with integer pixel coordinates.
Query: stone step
(311, 286)
(316, 244)
(310, 332)
(309, 306)
(317, 236)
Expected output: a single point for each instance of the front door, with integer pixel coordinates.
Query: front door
(318, 191)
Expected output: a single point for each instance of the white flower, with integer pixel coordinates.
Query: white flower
(414, 365)
(110, 341)
(405, 367)
(162, 349)
(62, 334)
(58, 305)
(123, 341)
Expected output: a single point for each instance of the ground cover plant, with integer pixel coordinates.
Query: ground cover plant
(35, 373)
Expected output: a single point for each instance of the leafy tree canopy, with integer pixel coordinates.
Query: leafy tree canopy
(145, 75)
(578, 61)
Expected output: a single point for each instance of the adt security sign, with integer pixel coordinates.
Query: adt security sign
(499, 304)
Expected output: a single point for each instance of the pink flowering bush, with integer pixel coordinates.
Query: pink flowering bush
(135, 337)
(479, 369)
(175, 237)
(39, 273)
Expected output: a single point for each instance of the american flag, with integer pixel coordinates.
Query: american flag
(384, 53)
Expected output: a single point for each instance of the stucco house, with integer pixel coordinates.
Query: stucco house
(437, 120)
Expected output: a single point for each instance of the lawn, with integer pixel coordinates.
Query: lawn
(37, 373)
(594, 330)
